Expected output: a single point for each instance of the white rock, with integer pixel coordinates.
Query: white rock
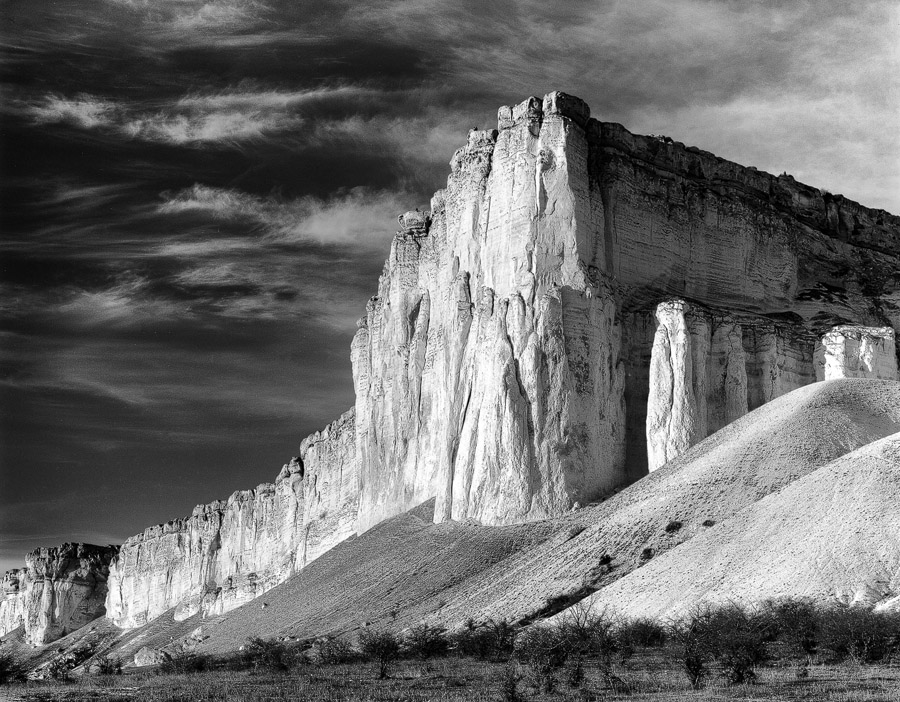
(854, 351)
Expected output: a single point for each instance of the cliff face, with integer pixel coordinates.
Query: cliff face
(60, 590)
(579, 306)
(230, 551)
(487, 367)
(583, 304)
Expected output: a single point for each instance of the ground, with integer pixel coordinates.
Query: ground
(650, 676)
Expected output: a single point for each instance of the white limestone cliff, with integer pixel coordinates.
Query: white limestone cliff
(230, 551)
(59, 590)
(12, 600)
(853, 351)
(578, 306)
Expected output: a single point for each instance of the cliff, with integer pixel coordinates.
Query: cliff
(579, 306)
(230, 551)
(60, 590)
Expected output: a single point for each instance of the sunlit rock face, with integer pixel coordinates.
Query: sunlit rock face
(230, 551)
(12, 600)
(850, 351)
(577, 307)
(60, 590)
(487, 367)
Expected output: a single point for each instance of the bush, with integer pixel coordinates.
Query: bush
(646, 554)
(543, 649)
(383, 647)
(488, 641)
(861, 635)
(11, 671)
(425, 642)
(691, 638)
(107, 665)
(267, 654)
(795, 623)
(673, 526)
(60, 669)
(184, 663)
(641, 633)
(330, 650)
(738, 641)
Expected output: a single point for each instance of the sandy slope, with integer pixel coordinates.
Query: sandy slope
(449, 572)
(833, 535)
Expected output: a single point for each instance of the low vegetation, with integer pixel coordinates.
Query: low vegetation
(786, 650)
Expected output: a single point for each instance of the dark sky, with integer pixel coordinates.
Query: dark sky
(198, 196)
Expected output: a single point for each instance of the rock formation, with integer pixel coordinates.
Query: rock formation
(230, 551)
(60, 590)
(579, 306)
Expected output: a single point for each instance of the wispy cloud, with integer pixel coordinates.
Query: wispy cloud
(359, 216)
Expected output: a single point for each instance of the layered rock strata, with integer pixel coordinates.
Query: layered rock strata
(230, 551)
(579, 305)
(60, 590)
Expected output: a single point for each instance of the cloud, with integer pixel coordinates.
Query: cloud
(359, 216)
(82, 111)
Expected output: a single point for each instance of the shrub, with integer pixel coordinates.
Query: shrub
(646, 554)
(692, 644)
(107, 665)
(605, 559)
(11, 671)
(708, 523)
(184, 663)
(267, 654)
(425, 642)
(859, 634)
(488, 641)
(673, 526)
(795, 623)
(330, 650)
(383, 647)
(642, 633)
(60, 669)
(543, 649)
(738, 640)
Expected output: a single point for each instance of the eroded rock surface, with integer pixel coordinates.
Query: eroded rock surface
(852, 351)
(578, 306)
(230, 551)
(60, 590)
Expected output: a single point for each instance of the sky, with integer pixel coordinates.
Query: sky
(197, 197)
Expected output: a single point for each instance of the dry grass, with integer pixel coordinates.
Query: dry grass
(651, 676)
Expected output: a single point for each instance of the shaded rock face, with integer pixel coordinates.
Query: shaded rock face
(579, 306)
(230, 551)
(60, 590)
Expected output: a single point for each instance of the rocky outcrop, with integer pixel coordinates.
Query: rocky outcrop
(487, 367)
(230, 551)
(12, 600)
(709, 368)
(508, 365)
(578, 306)
(60, 590)
(851, 351)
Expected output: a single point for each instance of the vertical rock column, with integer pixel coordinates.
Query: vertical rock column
(698, 379)
(852, 351)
